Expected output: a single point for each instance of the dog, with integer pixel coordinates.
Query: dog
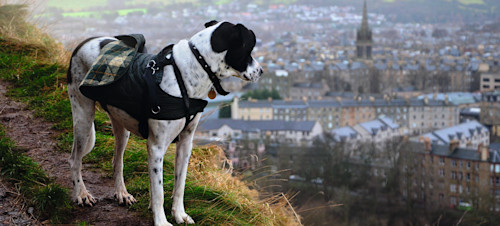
(226, 48)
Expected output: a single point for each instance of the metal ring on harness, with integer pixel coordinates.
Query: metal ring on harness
(157, 111)
(152, 64)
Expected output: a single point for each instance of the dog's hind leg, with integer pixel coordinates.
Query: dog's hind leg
(183, 153)
(121, 139)
(83, 141)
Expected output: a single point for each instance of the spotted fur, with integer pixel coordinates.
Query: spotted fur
(226, 48)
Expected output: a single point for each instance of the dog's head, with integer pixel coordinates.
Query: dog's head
(233, 44)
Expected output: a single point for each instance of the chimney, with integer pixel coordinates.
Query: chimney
(453, 145)
(235, 108)
(484, 152)
(427, 144)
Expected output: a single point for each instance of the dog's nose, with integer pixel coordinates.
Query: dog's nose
(260, 71)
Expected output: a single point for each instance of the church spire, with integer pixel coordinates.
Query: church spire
(364, 22)
(364, 38)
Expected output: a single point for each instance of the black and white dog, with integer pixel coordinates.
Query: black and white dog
(227, 50)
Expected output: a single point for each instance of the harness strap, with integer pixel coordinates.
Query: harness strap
(206, 67)
(182, 87)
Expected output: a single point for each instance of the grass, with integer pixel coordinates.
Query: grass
(35, 64)
(51, 201)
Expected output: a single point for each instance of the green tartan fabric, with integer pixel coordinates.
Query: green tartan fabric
(113, 61)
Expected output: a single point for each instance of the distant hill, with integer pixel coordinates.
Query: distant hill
(425, 11)
(411, 11)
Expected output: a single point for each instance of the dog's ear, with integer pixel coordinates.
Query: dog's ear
(211, 23)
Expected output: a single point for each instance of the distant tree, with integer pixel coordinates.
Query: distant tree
(225, 110)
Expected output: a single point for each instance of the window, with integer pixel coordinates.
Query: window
(486, 79)
(467, 177)
(468, 165)
(453, 188)
(441, 159)
(441, 172)
(453, 175)
(453, 200)
(454, 163)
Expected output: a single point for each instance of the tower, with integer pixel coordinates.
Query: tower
(364, 40)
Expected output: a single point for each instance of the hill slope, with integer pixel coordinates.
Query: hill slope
(34, 65)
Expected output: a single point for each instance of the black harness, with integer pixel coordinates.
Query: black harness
(164, 58)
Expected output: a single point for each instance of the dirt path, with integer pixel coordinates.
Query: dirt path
(35, 136)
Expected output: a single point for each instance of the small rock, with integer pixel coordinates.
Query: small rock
(30, 210)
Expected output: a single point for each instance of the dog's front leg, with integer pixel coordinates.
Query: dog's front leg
(155, 162)
(183, 153)
(160, 136)
(155, 165)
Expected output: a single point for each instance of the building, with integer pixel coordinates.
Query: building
(364, 40)
(374, 132)
(447, 175)
(309, 90)
(417, 116)
(291, 132)
(490, 112)
(469, 134)
(430, 114)
(489, 82)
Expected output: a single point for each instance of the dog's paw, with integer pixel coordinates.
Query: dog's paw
(85, 199)
(124, 198)
(182, 218)
(161, 221)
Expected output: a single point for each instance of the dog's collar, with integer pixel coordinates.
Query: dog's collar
(206, 67)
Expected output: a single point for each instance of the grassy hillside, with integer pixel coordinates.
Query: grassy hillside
(35, 64)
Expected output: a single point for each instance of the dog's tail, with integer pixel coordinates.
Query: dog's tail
(68, 74)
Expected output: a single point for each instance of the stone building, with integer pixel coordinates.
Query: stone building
(416, 115)
(490, 112)
(447, 175)
(469, 134)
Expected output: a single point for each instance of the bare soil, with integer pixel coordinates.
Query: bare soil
(36, 137)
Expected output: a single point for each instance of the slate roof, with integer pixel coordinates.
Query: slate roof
(344, 132)
(257, 125)
(457, 98)
(457, 153)
(464, 129)
(345, 102)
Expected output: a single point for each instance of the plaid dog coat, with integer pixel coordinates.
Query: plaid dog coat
(116, 79)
